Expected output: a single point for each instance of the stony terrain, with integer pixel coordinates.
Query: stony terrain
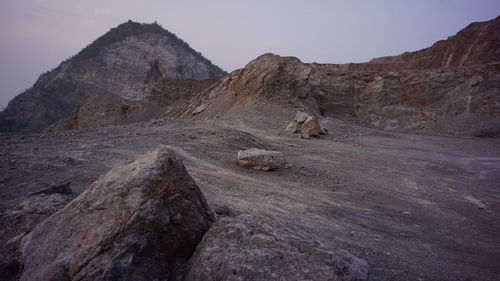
(414, 207)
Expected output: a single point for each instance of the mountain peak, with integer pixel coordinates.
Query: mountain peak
(127, 61)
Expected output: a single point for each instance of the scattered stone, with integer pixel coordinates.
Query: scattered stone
(140, 221)
(260, 159)
(63, 188)
(301, 117)
(293, 127)
(306, 125)
(310, 128)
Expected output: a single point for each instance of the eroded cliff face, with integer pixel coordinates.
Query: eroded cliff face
(451, 88)
(128, 62)
(459, 101)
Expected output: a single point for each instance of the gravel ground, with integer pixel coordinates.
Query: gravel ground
(415, 207)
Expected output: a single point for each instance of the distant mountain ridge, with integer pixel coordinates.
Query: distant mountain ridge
(137, 72)
(127, 62)
(478, 43)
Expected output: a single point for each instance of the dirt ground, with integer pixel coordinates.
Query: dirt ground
(415, 207)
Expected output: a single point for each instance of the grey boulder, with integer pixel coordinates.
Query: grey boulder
(310, 128)
(242, 248)
(140, 221)
(306, 125)
(260, 159)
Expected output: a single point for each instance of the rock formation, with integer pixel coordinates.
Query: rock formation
(461, 98)
(140, 221)
(128, 61)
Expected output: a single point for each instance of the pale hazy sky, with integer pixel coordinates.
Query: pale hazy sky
(36, 35)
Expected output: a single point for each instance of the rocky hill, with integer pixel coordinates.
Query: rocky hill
(459, 101)
(127, 61)
(459, 96)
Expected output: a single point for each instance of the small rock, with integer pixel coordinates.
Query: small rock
(310, 128)
(301, 117)
(293, 127)
(306, 125)
(260, 159)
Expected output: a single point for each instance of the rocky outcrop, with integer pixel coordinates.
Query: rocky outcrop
(128, 62)
(260, 159)
(243, 249)
(458, 101)
(450, 88)
(269, 80)
(140, 221)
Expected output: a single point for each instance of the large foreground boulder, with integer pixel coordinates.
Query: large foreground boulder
(260, 159)
(244, 248)
(140, 221)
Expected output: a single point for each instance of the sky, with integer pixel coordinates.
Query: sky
(36, 35)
